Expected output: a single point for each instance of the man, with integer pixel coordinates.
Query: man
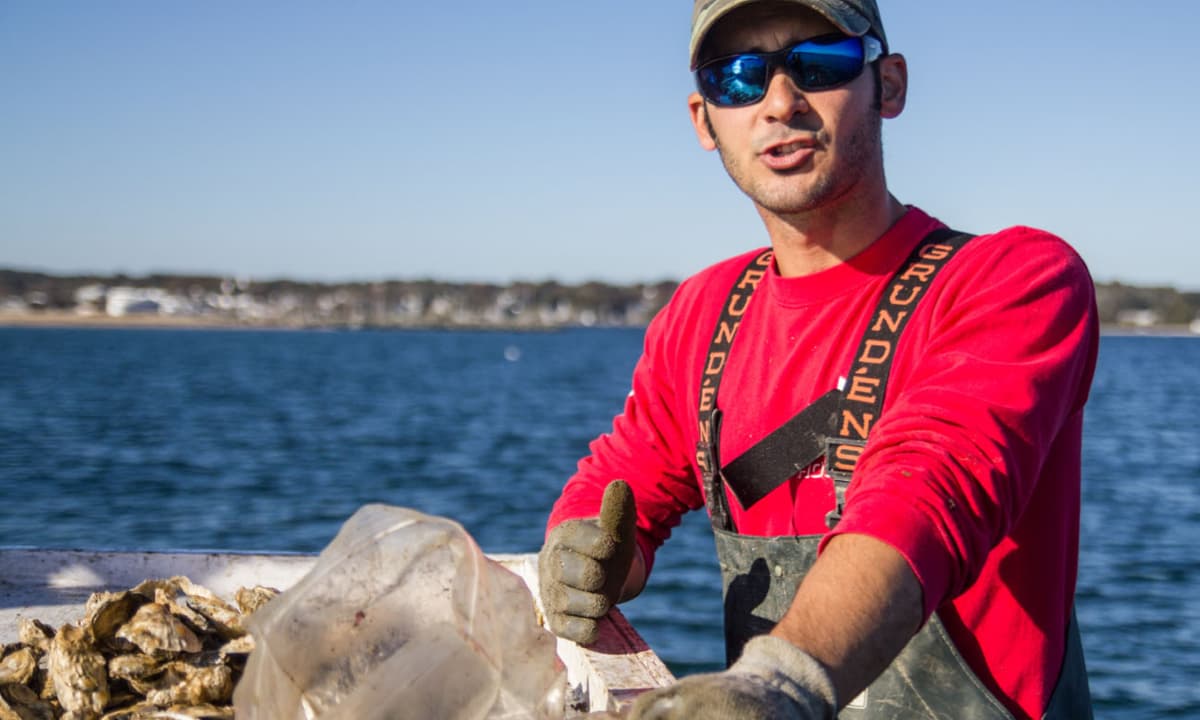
(903, 399)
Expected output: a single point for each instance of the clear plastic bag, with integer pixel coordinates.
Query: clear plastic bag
(402, 617)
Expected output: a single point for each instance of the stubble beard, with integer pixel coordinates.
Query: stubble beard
(802, 191)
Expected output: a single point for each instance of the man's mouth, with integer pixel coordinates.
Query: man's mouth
(788, 149)
(787, 155)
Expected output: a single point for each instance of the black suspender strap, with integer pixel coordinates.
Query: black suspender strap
(861, 401)
(707, 457)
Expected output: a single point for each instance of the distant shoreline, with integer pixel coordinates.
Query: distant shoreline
(67, 319)
(63, 319)
(202, 302)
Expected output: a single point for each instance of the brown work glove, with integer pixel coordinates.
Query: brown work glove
(584, 563)
(772, 679)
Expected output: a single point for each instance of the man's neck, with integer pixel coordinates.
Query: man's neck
(807, 243)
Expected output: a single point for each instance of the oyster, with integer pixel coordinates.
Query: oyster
(136, 711)
(157, 632)
(176, 601)
(149, 711)
(78, 673)
(198, 712)
(133, 667)
(251, 599)
(35, 633)
(184, 684)
(238, 646)
(224, 617)
(18, 664)
(21, 703)
(149, 588)
(167, 648)
(105, 612)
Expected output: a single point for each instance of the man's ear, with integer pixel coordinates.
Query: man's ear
(893, 79)
(698, 110)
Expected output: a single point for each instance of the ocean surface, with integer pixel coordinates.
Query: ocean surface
(268, 441)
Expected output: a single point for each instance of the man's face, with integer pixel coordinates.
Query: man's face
(793, 151)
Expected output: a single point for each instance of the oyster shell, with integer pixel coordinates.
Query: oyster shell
(184, 684)
(133, 667)
(238, 646)
(18, 701)
(198, 712)
(18, 665)
(137, 711)
(6, 711)
(78, 673)
(225, 618)
(149, 711)
(149, 588)
(35, 633)
(106, 612)
(167, 648)
(157, 632)
(251, 599)
(175, 601)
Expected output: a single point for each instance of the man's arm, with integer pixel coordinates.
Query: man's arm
(855, 611)
(852, 615)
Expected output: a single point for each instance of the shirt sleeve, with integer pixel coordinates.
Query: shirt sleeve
(1005, 360)
(648, 446)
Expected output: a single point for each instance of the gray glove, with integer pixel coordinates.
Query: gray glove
(772, 679)
(584, 563)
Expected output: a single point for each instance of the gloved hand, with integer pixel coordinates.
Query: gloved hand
(772, 679)
(584, 563)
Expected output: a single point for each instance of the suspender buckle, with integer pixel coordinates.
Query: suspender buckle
(714, 481)
(841, 457)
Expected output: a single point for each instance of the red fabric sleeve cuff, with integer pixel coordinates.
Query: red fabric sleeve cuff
(910, 531)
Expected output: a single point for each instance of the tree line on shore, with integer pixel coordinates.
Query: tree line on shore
(424, 302)
(434, 302)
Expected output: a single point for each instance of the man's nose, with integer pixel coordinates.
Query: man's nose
(783, 98)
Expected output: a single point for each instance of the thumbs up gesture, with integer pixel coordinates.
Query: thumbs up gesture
(583, 566)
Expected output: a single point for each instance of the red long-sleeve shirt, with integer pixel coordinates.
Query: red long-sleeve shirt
(972, 472)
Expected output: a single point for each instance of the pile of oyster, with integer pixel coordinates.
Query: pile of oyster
(165, 649)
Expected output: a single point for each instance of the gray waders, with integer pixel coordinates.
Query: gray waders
(929, 679)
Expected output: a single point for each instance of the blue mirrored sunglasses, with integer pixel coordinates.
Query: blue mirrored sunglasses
(819, 63)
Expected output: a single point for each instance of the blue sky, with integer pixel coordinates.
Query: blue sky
(496, 141)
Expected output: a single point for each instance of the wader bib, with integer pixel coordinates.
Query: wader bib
(929, 679)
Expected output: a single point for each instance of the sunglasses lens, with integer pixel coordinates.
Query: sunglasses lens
(817, 64)
(820, 63)
(730, 82)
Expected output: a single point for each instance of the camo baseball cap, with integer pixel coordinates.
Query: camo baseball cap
(853, 17)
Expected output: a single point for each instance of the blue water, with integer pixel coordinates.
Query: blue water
(139, 439)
